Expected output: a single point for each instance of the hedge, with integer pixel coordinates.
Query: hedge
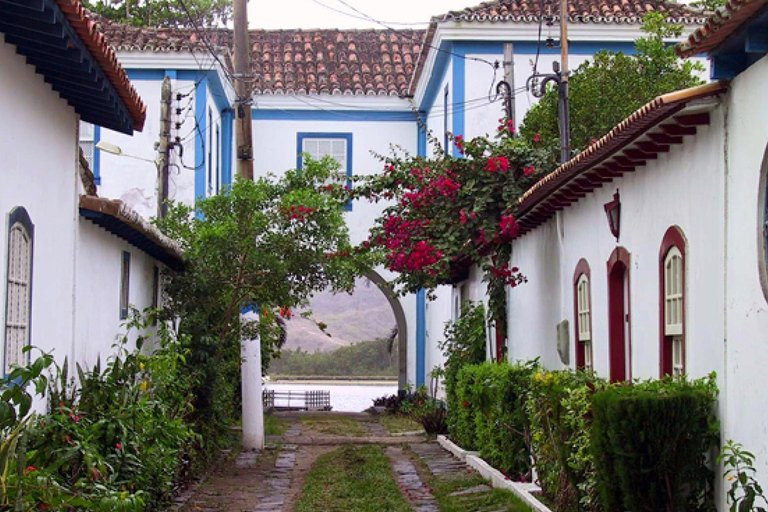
(501, 425)
(650, 442)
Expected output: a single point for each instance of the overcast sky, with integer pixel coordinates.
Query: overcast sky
(274, 14)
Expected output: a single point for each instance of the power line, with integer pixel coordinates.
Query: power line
(366, 18)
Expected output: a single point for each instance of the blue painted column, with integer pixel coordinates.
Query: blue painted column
(201, 99)
(227, 120)
(421, 296)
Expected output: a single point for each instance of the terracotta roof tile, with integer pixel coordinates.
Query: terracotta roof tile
(724, 22)
(579, 11)
(296, 61)
(98, 46)
(369, 62)
(626, 12)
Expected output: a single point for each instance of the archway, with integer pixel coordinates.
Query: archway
(620, 343)
(402, 327)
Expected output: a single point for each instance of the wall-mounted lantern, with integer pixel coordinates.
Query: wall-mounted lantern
(613, 212)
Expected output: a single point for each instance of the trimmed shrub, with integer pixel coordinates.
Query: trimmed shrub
(464, 345)
(650, 443)
(463, 408)
(559, 407)
(499, 392)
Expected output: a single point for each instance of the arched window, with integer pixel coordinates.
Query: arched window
(583, 315)
(672, 303)
(18, 295)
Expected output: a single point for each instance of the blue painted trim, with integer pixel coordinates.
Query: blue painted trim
(201, 112)
(421, 337)
(227, 120)
(96, 155)
(146, 74)
(251, 307)
(421, 144)
(332, 115)
(436, 78)
(459, 86)
(171, 73)
(326, 135)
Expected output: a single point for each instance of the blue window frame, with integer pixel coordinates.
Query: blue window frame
(321, 144)
(446, 147)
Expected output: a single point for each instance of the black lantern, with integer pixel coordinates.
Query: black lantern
(613, 212)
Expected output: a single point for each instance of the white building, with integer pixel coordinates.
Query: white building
(677, 281)
(348, 94)
(66, 283)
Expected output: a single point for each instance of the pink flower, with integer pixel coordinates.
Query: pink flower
(529, 170)
(537, 138)
(118, 446)
(463, 217)
(459, 142)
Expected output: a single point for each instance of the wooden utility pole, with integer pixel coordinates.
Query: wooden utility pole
(243, 133)
(563, 100)
(163, 148)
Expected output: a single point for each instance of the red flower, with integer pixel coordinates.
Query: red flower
(31, 468)
(529, 170)
(464, 403)
(459, 142)
(118, 446)
(536, 138)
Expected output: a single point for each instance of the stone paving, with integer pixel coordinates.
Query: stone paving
(419, 496)
(271, 480)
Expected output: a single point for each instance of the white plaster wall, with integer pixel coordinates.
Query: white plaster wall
(438, 312)
(38, 170)
(682, 188)
(99, 269)
(747, 313)
(134, 181)
(436, 116)
(275, 151)
(211, 138)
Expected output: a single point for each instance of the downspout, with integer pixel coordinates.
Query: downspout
(75, 242)
(726, 203)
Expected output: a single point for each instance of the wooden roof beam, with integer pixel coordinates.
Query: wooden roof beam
(700, 119)
(678, 130)
(627, 162)
(663, 138)
(652, 147)
(638, 154)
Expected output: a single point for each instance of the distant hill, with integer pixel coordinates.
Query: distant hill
(363, 316)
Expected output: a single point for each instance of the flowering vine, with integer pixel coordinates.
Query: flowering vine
(449, 212)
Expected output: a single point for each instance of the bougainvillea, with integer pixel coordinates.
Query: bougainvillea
(449, 212)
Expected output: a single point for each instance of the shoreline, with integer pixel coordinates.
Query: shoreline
(330, 382)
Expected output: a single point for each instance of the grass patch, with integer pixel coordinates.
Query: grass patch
(447, 484)
(352, 479)
(274, 426)
(337, 426)
(396, 423)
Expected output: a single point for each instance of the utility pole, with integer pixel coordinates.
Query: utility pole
(509, 77)
(250, 367)
(562, 90)
(243, 133)
(163, 148)
(560, 76)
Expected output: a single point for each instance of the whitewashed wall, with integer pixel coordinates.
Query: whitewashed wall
(746, 402)
(99, 270)
(134, 181)
(38, 172)
(682, 188)
(435, 119)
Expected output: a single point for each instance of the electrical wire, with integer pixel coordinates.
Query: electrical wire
(366, 18)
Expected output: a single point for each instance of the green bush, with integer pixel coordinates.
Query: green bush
(650, 442)
(118, 440)
(464, 345)
(462, 426)
(502, 427)
(559, 408)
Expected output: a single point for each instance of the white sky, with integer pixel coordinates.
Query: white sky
(275, 14)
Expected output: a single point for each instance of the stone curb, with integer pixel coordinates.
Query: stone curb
(498, 480)
(408, 434)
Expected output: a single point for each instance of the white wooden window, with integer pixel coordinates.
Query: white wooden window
(673, 307)
(335, 148)
(673, 293)
(18, 291)
(583, 304)
(87, 142)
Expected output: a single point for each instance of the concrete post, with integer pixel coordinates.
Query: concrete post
(253, 408)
